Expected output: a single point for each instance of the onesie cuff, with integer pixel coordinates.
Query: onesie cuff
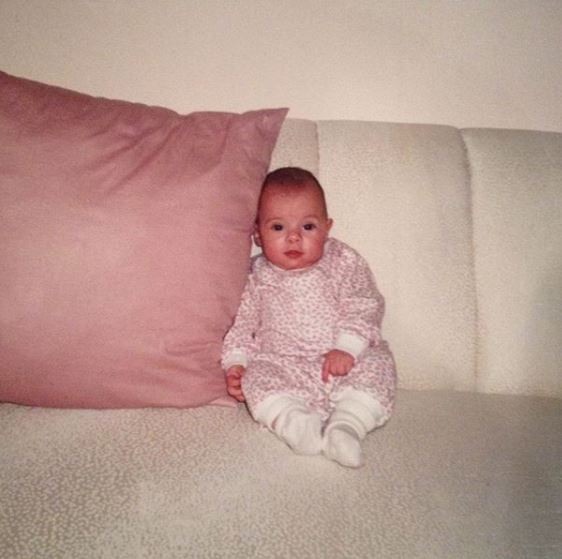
(351, 343)
(235, 357)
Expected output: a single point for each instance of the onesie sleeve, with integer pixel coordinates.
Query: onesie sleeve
(239, 343)
(360, 306)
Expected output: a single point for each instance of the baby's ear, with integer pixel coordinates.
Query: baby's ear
(329, 224)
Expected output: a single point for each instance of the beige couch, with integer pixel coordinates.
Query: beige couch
(463, 229)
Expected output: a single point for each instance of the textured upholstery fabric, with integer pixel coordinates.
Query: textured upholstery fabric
(453, 475)
(517, 184)
(297, 146)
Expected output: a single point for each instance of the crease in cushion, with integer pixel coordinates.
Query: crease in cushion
(124, 245)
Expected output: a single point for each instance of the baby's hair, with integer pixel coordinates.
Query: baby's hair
(294, 179)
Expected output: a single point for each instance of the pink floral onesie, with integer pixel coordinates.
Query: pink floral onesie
(288, 319)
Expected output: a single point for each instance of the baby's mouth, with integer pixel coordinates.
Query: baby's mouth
(293, 254)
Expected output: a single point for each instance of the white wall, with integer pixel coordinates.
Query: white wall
(462, 62)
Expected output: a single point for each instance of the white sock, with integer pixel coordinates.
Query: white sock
(301, 430)
(289, 418)
(342, 444)
(355, 414)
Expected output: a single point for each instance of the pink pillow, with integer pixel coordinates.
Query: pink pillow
(124, 244)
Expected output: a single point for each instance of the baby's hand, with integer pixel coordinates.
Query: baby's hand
(336, 363)
(234, 382)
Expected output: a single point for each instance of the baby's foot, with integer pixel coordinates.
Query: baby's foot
(302, 431)
(342, 445)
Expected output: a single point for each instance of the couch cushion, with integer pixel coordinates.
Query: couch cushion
(516, 178)
(451, 476)
(297, 145)
(399, 194)
(124, 245)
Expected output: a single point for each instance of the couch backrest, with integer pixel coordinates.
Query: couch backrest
(463, 230)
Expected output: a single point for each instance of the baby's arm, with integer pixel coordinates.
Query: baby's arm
(361, 308)
(239, 342)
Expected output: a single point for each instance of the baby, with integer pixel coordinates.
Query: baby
(305, 351)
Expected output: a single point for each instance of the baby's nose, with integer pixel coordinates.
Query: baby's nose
(294, 235)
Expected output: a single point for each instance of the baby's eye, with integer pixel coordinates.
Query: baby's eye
(309, 226)
(277, 227)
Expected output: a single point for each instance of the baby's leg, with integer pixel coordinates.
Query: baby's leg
(292, 421)
(277, 397)
(362, 400)
(355, 414)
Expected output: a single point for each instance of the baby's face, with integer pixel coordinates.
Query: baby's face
(292, 227)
